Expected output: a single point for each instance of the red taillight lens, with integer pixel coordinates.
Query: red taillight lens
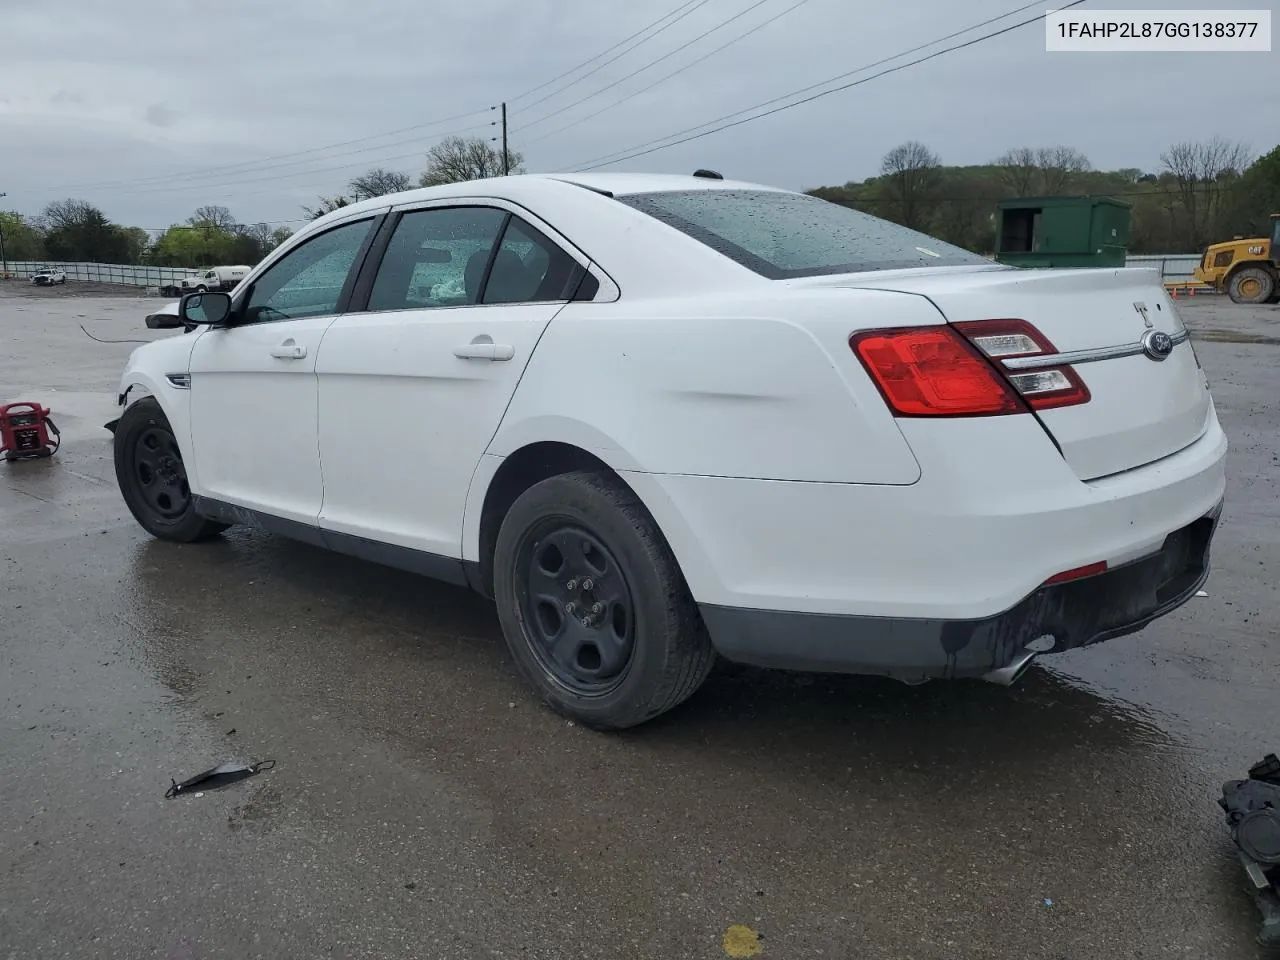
(933, 372)
(1044, 387)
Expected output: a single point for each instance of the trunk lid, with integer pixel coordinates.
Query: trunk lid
(1141, 409)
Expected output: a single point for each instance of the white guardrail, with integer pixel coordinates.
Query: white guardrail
(1173, 266)
(125, 274)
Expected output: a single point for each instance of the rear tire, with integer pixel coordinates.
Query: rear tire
(152, 478)
(1251, 285)
(581, 547)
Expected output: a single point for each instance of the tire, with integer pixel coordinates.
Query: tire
(645, 649)
(152, 479)
(1251, 285)
(202, 289)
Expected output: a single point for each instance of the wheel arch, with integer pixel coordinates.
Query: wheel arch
(501, 480)
(137, 384)
(509, 477)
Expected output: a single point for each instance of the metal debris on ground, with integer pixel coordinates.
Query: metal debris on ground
(219, 776)
(1253, 812)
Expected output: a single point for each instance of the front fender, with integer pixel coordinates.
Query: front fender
(161, 370)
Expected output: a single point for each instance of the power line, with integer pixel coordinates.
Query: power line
(690, 9)
(220, 170)
(665, 78)
(254, 166)
(814, 86)
(196, 185)
(164, 188)
(547, 83)
(652, 63)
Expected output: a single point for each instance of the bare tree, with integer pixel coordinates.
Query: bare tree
(911, 173)
(378, 182)
(1059, 167)
(1201, 171)
(1018, 171)
(68, 214)
(456, 159)
(214, 217)
(1041, 171)
(265, 237)
(327, 205)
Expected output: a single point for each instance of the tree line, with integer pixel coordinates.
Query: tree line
(77, 231)
(1204, 191)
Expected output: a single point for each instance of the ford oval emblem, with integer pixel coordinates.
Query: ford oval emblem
(1157, 344)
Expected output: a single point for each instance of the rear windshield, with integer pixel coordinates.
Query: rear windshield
(784, 235)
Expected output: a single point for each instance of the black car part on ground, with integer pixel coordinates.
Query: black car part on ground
(1252, 807)
(219, 776)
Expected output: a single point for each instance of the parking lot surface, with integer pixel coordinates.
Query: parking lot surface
(423, 805)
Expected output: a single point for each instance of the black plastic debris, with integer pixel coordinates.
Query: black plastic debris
(112, 424)
(1253, 813)
(220, 776)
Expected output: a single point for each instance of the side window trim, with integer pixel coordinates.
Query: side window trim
(493, 255)
(377, 220)
(368, 272)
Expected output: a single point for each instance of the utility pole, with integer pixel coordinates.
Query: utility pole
(4, 261)
(506, 155)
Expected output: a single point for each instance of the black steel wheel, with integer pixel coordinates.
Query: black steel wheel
(152, 477)
(593, 605)
(577, 606)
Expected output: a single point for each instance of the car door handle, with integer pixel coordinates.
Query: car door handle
(483, 348)
(288, 350)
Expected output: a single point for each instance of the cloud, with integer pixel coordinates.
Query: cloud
(62, 95)
(158, 115)
(220, 119)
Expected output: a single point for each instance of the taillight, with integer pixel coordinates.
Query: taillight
(932, 372)
(959, 370)
(1043, 387)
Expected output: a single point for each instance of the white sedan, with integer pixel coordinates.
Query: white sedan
(658, 418)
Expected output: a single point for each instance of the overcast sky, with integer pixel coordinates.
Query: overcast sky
(127, 104)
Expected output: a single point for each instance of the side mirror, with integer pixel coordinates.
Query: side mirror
(205, 308)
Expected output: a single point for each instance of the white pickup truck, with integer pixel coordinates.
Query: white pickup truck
(215, 278)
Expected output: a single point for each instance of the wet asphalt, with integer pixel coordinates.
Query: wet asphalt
(424, 805)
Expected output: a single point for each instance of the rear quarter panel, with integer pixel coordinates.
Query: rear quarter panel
(765, 388)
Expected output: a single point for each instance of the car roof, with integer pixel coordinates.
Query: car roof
(533, 186)
(626, 183)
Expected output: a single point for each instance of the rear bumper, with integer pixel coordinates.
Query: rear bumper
(1075, 614)
(944, 577)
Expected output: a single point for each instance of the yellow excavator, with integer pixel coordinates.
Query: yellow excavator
(1247, 270)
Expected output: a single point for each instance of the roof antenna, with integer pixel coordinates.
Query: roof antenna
(708, 174)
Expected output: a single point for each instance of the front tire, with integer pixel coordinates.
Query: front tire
(1251, 285)
(152, 478)
(593, 605)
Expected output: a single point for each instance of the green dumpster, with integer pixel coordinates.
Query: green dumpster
(1062, 232)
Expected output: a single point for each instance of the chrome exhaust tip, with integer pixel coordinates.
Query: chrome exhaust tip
(1009, 675)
